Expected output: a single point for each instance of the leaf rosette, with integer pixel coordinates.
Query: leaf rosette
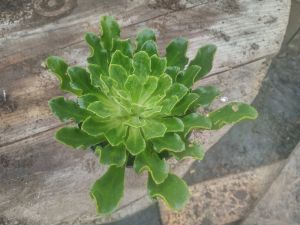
(134, 107)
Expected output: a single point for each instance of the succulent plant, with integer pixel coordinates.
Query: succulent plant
(134, 107)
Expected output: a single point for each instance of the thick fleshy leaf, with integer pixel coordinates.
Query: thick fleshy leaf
(187, 78)
(118, 74)
(150, 161)
(178, 90)
(158, 65)
(168, 104)
(206, 95)
(104, 109)
(204, 58)
(192, 150)
(134, 121)
(150, 47)
(153, 129)
(194, 120)
(141, 65)
(58, 66)
(173, 124)
(80, 79)
(173, 191)
(113, 156)
(67, 109)
(119, 58)
(171, 142)
(124, 46)
(143, 36)
(110, 30)
(76, 138)
(163, 85)
(116, 135)
(151, 112)
(135, 142)
(95, 72)
(96, 127)
(148, 89)
(232, 113)
(133, 87)
(185, 103)
(98, 55)
(175, 53)
(173, 72)
(109, 190)
(85, 100)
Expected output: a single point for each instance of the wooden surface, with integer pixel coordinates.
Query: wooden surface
(43, 182)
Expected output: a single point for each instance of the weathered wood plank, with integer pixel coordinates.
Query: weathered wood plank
(242, 34)
(43, 182)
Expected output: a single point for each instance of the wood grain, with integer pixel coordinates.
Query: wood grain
(243, 34)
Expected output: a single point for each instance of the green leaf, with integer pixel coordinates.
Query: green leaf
(175, 53)
(98, 55)
(119, 58)
(150, 161)
(80, 80)
(158, 65)
(141, 65)
(188, 77)
(171, 142)
(76, 138)
(206, 95)
(204, 58)
(172, 71)
(184, 105)
(143, 36)
(104, 109)
(133, 87)
(67, 109)
(134, 121)
(232, 113)
(135, 142)
(178, 90)
(109, 190)
(85, 100)
(150, 47)
(163, 85)
(173, 124)
(153, 129)
(118, 74)
(116, 135)
(173, 191)
(110, 30)
(194, 120)
(95, 72)
(58, 66)
(148, 89)
(168, 104)
(97, 127)
(194, 151)
(112, 156)
(123, 46)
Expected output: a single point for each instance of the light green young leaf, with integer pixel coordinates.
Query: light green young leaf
(204, 58)
(109, 190)
(134, 121)
(184, 105)
(103, 109)
(150, 47)
(124, 46)
(116, 135)
(97, 127)
(232, 113)
(118, 74)
(76, 138)
(178, 90)
(194, 120)
(133, 87)
(85, 100)
(206, 95)
(143, 36)
(141, 65)
(194, 151)
(173, 124)
(163, 85)
(110, 30)
(58, 66)
(168, 104)
(158, 65)
(80, 79)
(173, 191)
(153, 129)
(135, 142)
(171, 142)
(118, 58)
(148, 89)
(173, 72)
(112, 156)
(187, 78)
(175, 53)
(67, 109)
(150, 161)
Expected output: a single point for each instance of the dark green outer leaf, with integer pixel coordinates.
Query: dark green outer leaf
(116, 135)
(158, 65)
(195, 151)
(173, 72)
(232, 113)
(85, 100)
(175, 53)
(194, 120)
(113, 156)
(173, 191)
(184, 105)
(149, 160)
(171, 142)
(150, 47)
(206, 95)
(94, 127)
(109, 190)
(143, 36)
(95, 72)
(67, 109)
(124, 46)
(119, 58)
(76, 138)
(173, 124)
(188, 77)
(110, 30)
